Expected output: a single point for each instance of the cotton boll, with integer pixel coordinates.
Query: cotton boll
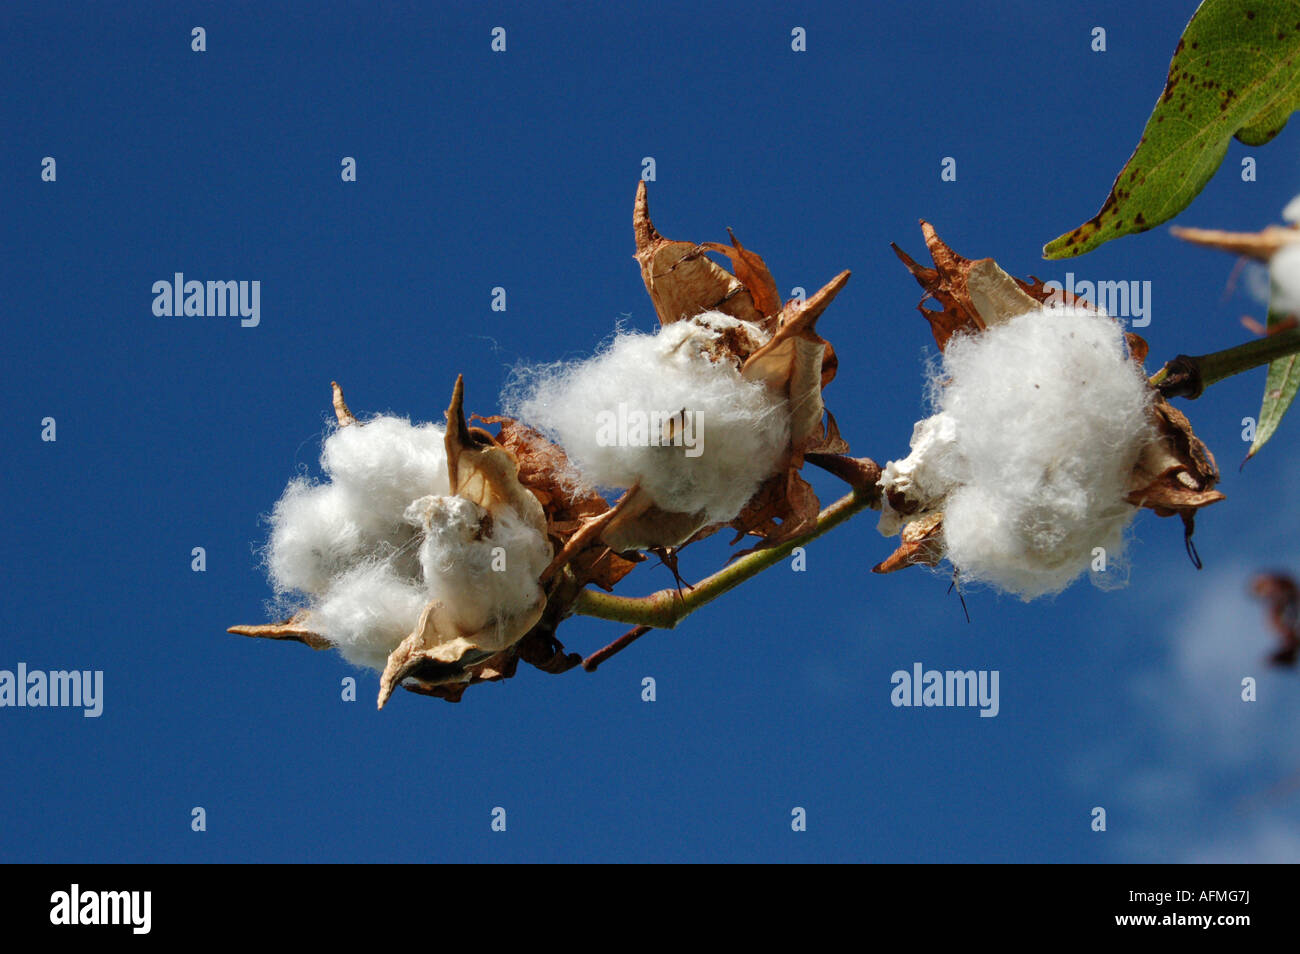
(1284, 273)
(1051, 416)
(372, 547)
(1041, 420)
(610, 411)
(345, 545)
(368, 611)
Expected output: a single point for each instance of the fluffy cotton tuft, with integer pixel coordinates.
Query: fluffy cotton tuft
(367, 610)
(366, 551)
(741, 428)
(463, 567)
(1041, 421)
(375, 471)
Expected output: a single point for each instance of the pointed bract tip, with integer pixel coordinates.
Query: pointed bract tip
(643, 228)
(341, 411)
(816, 304)
(457, 436)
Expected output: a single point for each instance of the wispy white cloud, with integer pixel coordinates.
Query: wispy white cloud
(1207, 776)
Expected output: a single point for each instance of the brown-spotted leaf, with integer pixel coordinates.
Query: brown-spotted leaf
(1235, 73)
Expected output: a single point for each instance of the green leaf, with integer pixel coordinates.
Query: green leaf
(1279, 391)
(1236, 72)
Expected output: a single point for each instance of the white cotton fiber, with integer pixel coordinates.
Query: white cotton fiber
(1041, 420)
(367, 611)
(592, 408)
(463, 566)
(314, 536)
(389, 462)
(375, 471)
(365, 551)
(1284, 275)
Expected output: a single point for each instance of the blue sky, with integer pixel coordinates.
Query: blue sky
(518, 170)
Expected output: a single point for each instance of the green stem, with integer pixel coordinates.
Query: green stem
(1188, 376)
(666, 608)
(1222, 364)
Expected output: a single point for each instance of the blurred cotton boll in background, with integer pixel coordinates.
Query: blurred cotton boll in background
(1284, 275)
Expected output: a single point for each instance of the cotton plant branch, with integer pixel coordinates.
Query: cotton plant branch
(435, 571)
(666, 608)
(1183, 376)
(1188, 376)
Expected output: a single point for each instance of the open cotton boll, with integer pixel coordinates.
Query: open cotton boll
(1041, 421)
(372, 546)
(925, 475)
(618, 416)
